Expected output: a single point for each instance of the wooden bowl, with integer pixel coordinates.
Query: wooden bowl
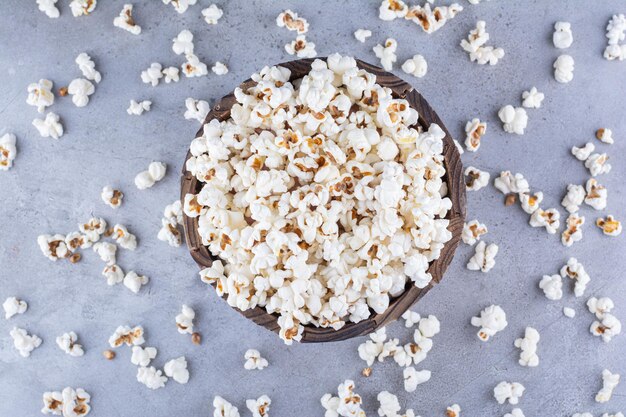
(398, 305)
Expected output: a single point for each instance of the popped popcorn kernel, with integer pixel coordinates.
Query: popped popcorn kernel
(413, 378)
(609, 382)
(478, 51)
(516, 412)
(128, 336)
(609, 225)
(562, 37)
(514, 119)
(259, 407)
(223, 408)
(616, 33)
(549, 219)
(532, 99)
(416, 66)
(134, 281)
(50, 126)
(82, 7)
(254, 360)
(88, 67)
(508, 391)
(455, 410)
(472, 232)
(137, 108)
(552, 286)
(106, 251)
(387, 53)
(574, 198)
(142, 356)
(596, 194)
(69, 403)
(431, 20)
(196, 109)
(474, 131)
(151, 377)
(126, 21)
(184, 320)
(180, 6)
(183, 43)
(80, 89)
(177, 370)
(491, 321)
(112, 197)
(194, 68)
(23, 342)
(583, 153)
(40, 94)
(221, 69)
(597, 164)
(291, 21)
(53, 246)
(475, 179)
(576, 271)
(528, 347)
(361, 35)
(8, 151)
(573, 229)
(68, 343)
(564, 69)
(508, 183)
(569, 312)
(212, 14)
(13, 306)
(155, 173)
(484, 258)
(605, 135)
(49, 8)
(392, 9)
(153, 74)
(170, 74)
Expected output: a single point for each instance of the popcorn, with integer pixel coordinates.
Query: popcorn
(484, 258)
(600, 307)
(508, 183)
(476, 48)
(69, 403)
(184, 320)
(416, 66)
(431, 20)
(564, 69)
(67, 342)
(137, 108)
(573, 231)
(53, 246)
(387, 53)
(609, 225)
(597, 164)
(112, 197)
(196, 109)
(177, 370)
(50, 127)
(574, 198)
(516, 412)
(134, 282)
(455, 409)
(508, 391)
(616, 33)
(576, 271)
(583, 153)
(80, 89)
(472, 232)
(301, 48)
(552, 286)
(291, 21)
(254, 360)
(23, 342)
(106, 251)
(609, 382)
(93, 229)
(82, 7)
(155, 173)
(392, 9)
(390, 407)
(605, 135)
(87, 67)
(194, 68)
(475, 179)
(40, 94)
(125, 20)
(562, 37)
(170, 74)
(371, 349)
(514, 119)
(259, 407)
(223, 408)
(528, 346)
(172, 217)
(153, 74)
(491, 321)
(532, 99)
(151, 377)
(550, 219)
(429, 326)
(183, 43)
(128, 336)
(142, 356)
(180, 6)
(411, 318)
(608, 325)
(13, 306)
(361, 35)
(8, 151)
(52, 403)
(413, 378)
(212, 14)
(569, 312)
(474, 130)
(530, 202)
(49, 8)
(221, 69)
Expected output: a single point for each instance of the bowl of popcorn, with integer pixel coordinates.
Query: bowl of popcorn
(322, 198)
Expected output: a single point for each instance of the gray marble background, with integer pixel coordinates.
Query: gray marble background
(56, 184)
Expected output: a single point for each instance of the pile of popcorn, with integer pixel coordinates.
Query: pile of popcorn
(321, 197)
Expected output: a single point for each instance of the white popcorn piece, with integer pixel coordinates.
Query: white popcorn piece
(125, 335)
(574, 198)
(564, 69)
(183, 43)
(259, 407)
(291, 21)
(472, 232)
(474, 131)
(605, 135)
(491, 321)
(301, 48)
(392, 9)
(13, 306)
(516, 412)
(49, 8)
(8, 151)
(475, 179)
(573, 229)
(138, 108)
(177, 370)
(576, 271)
(221, 69)
(361, 35)
(124, 238)
(411, 318)
(40, 94)
(607, 327)
(52, 403)
(50, 127)
(600, 306)
(155, 173)
(550, 219)
(113, 274)
(429, 326)
(387, 53)
(142, 356)
(569, 312)
(371, 349)
(416, 66)
(153, 74)
(508, 391)
(151, 377)
(455, 410)
(530, 202)
(170, 74)
(69, 403)
(609, 225)
(514, 119)
(616, 33)
(552, 286)
(184, 320)
(532, 99)
(222, 408)
(23, 342)
(172, 217)
(562, 37)
(475, 46)
(106, 251)
(76, 240)
(609, 382)
(212, 14)
(390, 407)
(134, 281)
(196, 109)
(508, 183)
(80, 89)
(112, 197)
(53, 246)
(126, 21)
(582, 154)
(484, 258)
(87, 67)
(432, 19)
(413, 378)
(82, 7)
(528, 347)
(68, 343)
(193, 67)
(93, 229)
(254, 360)
(597, 164)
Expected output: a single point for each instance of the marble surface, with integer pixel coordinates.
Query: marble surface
(56, 184)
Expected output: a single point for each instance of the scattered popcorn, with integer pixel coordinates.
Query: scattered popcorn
(574, 198)
(142, 356)
(80, 89)
(184, 320)
(194, 68)
(532, 99)
(371, 349)
(491, 321)
(94, 228)
(69, 403)
(528, 346)
(82, 7)
(196, 109)
(137, 108)
(50, 127)
(24, 342)
(530, 202)
(49, 8)
(301, 48)
(172, 217)
(106, 251)
(475, 46)
(291, 21)
(508, 391)
(573, 229)
(8, 151)
(474, 131)
(431, 20)
(475, 179)
(514, 119)
(609, 225)
(180, 6)
(259, 407)
(177, 370)
(582, 154)
(53, 246)
(153, 74)
(223, 408)
(212, 14)
(416, 66)
(564, 69)
(569, 312)
(605, 135)
(134, 282)
(576, 271)
(562, 37)
(151, 377)
(390, 407)
(596, 194)
(597, 164)
(616, 33)
(429, 326)
(155, 173)
(552, 286)
(608, 326)
(508, 183)
(254, 360)
(472, 232)
(68, 344)
(609, 382)
(413, 378)
(600, 306)
(361, 35)
(550, 219)
(484, 258)
(455, 410)
(392, 9)
(125, 20)
(13, 306)
(183, 43)
(40, 94)
(87, 67)
(128, 336)
(221, 69)
(112, 197)
(170, 74)
(516, 412)
(387, 53)
(123, 238)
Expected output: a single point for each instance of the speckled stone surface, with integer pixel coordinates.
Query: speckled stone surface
(56, 184)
